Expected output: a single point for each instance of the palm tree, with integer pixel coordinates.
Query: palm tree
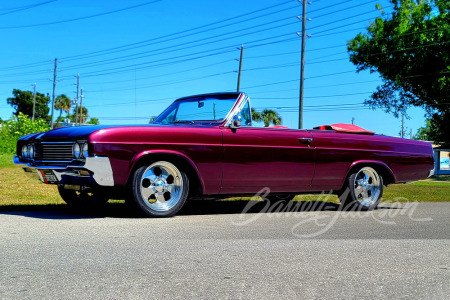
(267, 116)
(62, 102)
(256, 116)
(82, 114)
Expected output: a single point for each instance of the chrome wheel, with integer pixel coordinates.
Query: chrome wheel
(363, 190)
(367, 186)
(161, 186)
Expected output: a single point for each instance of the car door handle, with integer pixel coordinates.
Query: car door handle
(306, 141)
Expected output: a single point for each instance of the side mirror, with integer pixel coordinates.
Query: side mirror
(236, 122)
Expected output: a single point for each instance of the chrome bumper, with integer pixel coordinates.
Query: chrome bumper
(99, 169)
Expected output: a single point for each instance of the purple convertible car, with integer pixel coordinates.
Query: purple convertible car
(205, 146)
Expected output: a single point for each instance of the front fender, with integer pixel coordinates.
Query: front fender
(176, 154)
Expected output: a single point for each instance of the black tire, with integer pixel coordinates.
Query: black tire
(283, 198)
(363, 191)
(82, 199)
(159, 189)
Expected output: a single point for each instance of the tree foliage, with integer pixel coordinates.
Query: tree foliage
(63, 103)
(18, 126)
(410, 49)
(22, 102)
(81, 114)
(93, 121)
(268, 116)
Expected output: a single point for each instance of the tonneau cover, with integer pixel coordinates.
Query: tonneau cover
(341, 127)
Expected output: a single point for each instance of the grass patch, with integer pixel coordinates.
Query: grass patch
(422, 191)
(6, 160)
(18, 188)
(439, 178)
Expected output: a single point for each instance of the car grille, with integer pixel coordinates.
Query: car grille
(54, 152)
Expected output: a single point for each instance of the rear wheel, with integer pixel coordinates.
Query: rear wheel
(160, 189)
(82, 199)
(364, 190)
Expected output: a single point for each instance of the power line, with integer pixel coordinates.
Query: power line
(166, 74)
(344, 9)
(323, 96)
(329, 6)
(344, 19)
(172, 35)
(82, 18)
(131, 102)
(183, 46)
(183, 57)
(166, 83)
(272, 55)
(109, 50)
(21, 8)
(335, 33)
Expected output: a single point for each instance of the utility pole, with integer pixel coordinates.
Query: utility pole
(81, 107)
(410, 134)
(54, 90)
(353, 120)
(240, 69)
(34, 102)
(302, 67)
(403, 126)
(76, 103)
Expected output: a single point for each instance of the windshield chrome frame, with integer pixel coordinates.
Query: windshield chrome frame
(238, 106)
(238, 103)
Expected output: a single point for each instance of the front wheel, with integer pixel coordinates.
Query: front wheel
(364, 190)
(82, 199)
(160, 189)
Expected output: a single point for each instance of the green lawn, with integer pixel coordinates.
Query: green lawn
(20, 188)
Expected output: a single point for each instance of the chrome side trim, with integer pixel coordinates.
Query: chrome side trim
(99, 166)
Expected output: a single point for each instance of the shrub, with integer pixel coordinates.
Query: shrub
(18, 126)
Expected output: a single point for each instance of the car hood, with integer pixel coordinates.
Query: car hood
(82, 132)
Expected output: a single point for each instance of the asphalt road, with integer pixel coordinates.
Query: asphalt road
(212, 251)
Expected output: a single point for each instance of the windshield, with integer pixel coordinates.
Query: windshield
(206, 108)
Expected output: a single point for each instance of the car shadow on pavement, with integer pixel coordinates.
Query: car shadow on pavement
(191, 208)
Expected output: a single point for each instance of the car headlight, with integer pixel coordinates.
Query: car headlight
(76, 151)
(25, 151)
(84, 150)
(31, 151)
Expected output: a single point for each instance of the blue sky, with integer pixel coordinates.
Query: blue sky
(133, 63)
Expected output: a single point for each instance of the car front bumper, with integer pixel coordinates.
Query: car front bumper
(95, 171)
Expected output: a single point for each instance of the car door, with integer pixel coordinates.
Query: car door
(279, 158)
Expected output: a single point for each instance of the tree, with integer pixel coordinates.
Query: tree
(93, 121)
(256, 116)
(17, 127)
(267, 116)
(22, 102)
(423, 133)
(81, 114)
(63, 103)
(410, 50)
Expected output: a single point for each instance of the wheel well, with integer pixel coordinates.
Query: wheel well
(388, 178)
(195, 186)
